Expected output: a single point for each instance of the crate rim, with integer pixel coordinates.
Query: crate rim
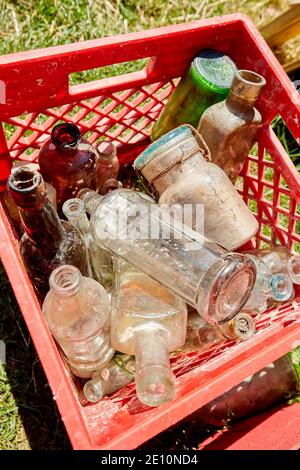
(81, 438)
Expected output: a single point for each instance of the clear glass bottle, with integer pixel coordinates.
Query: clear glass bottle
(100, 259)
(206, 82)
(278, 259)
(108, 166)
(148, 322)
(176, 165)
(202, 336)
(47, 242)
(77, 312)
(116, 375)
(230, 127)
(68, 161)
(268, 287)
(209, 278)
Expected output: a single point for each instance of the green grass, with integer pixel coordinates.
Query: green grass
(28, 415)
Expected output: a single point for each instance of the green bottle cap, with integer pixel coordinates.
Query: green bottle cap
(156, 148)
(213, 70)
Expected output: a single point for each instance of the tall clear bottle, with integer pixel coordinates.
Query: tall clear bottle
(178, 167)
(100, 259)
(148, 322)
(209, 278)
(77, 312)
(230, 127)
(47, 242)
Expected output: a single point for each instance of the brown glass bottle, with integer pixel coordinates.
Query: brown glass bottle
(69, 162)
(230, 127)
(47, 242)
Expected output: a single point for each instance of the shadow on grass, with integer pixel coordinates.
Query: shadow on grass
(26, 401)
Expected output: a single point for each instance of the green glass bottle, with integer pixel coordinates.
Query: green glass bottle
(206, 82)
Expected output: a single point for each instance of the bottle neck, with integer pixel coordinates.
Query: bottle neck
(239, 104)
(154, 378)
(65, 281)
(43, 226)
(39, 218)
(245, 90)
(90, 198)
(66, 137)
(74, 210)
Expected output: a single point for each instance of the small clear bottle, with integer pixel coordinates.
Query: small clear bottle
(205, 275)
(278, 259)
(77, 312)
(116, 375)
(268, 287)
(100, 259)
(202, 336)
(178, 167)
(206, 82)
(148, 322)
(230, 127)
(108, 165)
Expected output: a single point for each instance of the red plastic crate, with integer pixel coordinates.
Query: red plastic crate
(123, 108)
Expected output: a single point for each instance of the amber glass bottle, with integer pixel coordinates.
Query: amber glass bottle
(47, 242)
(230, 127)
(69, 162)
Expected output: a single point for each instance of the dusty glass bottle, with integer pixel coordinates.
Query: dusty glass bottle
(230, 127)
(68, 161)
(108, 165)
(176, 165)
(100, 259)
(76, 310)
(279, 259)
(47, 242)
(201, 336)
(209, 278)
(268, 287)
(276, 382)
(10, 204)
(148, 322)
(206, 82)
(119, 372)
